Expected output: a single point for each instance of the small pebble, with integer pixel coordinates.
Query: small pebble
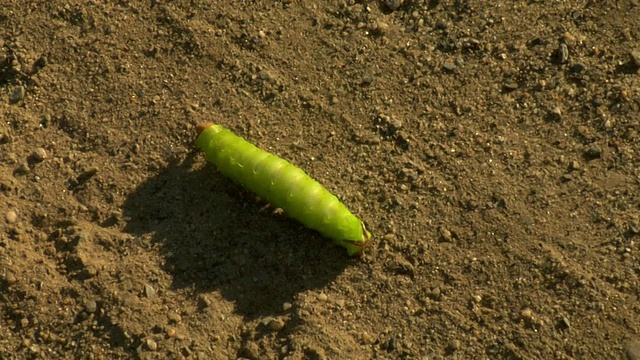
(564, 324)
(449, 66)
(149, 291)
(323, 297)
(555, 114)
(286, 306)
(578, 67)
(39, 154)
(441, 25)
(90, 306)
(204, 301)
(276, 324)
(526, 314)
(11, 217)
(635, 58)
(593, 152)
(175, 318)
(10, 279)
(86, 174)
(379, 28)
(446, 234)
(454, 345)
(574, 165)
(250, 351)
(569, 38)
(563, 53)
(392, 344)
(366, 81)
(151, 344)
(633, 351)
(510, 86)
(367, 338)
(393, 4)
(435, 293)
(129, 300)
(17, 95)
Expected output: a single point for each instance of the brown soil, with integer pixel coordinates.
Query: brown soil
(491, 147)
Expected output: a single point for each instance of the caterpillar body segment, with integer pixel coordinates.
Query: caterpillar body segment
(283, 185)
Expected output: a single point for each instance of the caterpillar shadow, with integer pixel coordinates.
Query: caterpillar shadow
(214, 236)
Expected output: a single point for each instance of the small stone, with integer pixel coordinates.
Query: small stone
(569, 38)
(10, 279)
(149, 291)
(39, 154)
(449, 66)
(276, 324)
(151, 344)
(367, 338)
(323, 297)
(635, 58)
(526, 314)
(435, 293)
(379, 28)
(17, 95)
(175, 318)
(563, 53)
(555, 114)
(563, 323)
(445, 234)
(395, 125)
(510, 86)
(366, 81)
(86, 174)
(90, 306)
(250, 351)
(341, 303)
(11, 217)
(130, 300)
(454, 345)
(23, 168)
(392, 343)
(574, 165)
(441, 25)
(393, 4)
(578, 67)
(633, 351)
(593, 152)
(204, 301)
(286, 306)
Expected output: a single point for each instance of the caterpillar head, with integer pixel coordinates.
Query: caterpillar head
(201, 127)
(356, 248)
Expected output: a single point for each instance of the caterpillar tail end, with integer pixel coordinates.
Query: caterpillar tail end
(202, 127)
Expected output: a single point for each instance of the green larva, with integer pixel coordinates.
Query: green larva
(283, 185)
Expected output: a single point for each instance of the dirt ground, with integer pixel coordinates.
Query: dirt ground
(491, 147)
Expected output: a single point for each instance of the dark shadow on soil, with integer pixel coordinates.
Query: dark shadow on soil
(215, 236)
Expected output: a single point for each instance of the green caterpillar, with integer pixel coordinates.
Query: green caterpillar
(283, 185)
